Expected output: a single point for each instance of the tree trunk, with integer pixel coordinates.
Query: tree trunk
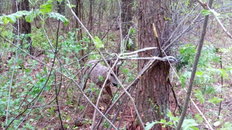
(14, 8)
(91, 3)
(101, 9)
(25, 27)
(61, 7)
(127, 16)
(22, 27)
(1, 6)
(153, 89)
(79, 13)
(61, 10)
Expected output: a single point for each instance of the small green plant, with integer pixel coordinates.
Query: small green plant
(188, 124)
(206, 72)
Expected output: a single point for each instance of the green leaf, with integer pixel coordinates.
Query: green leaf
(189, 124)
(173, 118)
(199, 73)
(11, 19)
(20, 14)
(223, 73)
(205, 12)
(198, 118)
(215, 100)
(58, 17)
(209, 90)
(132, 31)
(150, 125)
(98, 42)
(5, 19)
(125, 71)
(46, 7)
(101, 78)
(199, 96)
(32, 15)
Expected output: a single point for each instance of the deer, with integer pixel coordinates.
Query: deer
(97, 73)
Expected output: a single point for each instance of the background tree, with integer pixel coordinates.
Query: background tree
(22, 26)
(61, 9)
(127, 16)
(79, 13)
(90, 22)
(1, 5)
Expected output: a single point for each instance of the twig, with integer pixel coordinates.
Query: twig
(205, 6)
(222, 84)
(180, 24)
(57, 90)
(168, 44)
(197, 56)
(220, 23)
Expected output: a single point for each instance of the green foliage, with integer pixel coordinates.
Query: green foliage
(70, 46)
(227, 126)
(199, 95)
(129, 75)
(198, 118)
(215, 100)
(186, 56)
(46, 7)
(45, 11)
(32, 15)
(101, 78)
(98, 42)
(208, 73)
(58, 16)
(149, 125)
(39, 40)
(21, 84)
(130, 42)
(188, 124)
(206, 70)
(5, 19)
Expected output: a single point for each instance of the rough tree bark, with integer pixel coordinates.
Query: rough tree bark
(153, 89)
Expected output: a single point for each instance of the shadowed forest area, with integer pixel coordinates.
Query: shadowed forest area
(116, 64)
